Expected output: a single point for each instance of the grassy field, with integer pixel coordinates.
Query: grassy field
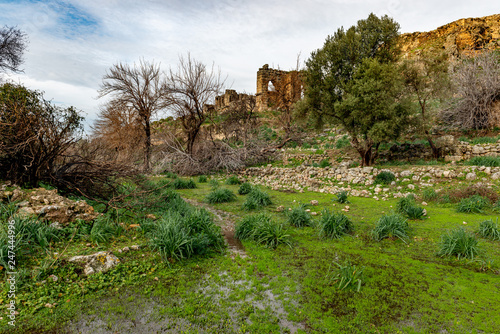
(405, 286)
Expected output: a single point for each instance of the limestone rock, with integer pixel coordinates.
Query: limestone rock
(95, 263)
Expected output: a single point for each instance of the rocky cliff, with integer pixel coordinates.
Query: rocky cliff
(461, 36)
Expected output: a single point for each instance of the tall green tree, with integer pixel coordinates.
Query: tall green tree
(331, 70)
(373, 108)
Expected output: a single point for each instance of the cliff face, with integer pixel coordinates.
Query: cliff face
(461, 36)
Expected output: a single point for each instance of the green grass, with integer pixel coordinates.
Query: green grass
(333, 225)
(459, 243)
(245, 188)
(232, 180)
(262, 229)
(489, 229)
(256, 199)
(341, 197)
(347, 276)
(220, 195)
(473, 204)
(299, 217)
(484, 161)
(391, 226)
(406, 287)
(202, 179)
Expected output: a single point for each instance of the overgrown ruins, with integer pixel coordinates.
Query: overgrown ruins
(274, 86)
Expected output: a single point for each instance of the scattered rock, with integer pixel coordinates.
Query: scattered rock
(95, 263)
(470, 176)
(151, 216)
(314, 202)
(280, 208)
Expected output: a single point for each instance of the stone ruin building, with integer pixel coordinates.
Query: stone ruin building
(274, 88)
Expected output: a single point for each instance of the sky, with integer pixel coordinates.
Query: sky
(73, 43)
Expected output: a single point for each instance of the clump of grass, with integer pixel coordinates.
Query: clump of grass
(183, 184)
(262, 229)
(245, 188)
(473, 204)
(334, 225)
(324, 163)
(343, 142)
(486, 161)
(415, 212)
(233, 180)
(430, 194)
(408, 207)
(104, 229)
(202, 179)
(256, 199)
(214, 184)
(220, 195)
(385, 177)
(489, 229)
(347, 276)
(341, 197)
(299, 217)
(458, 243)
(391, 226)
(171, 175)
(171, 239)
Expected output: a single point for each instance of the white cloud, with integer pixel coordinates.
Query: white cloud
(73, 43)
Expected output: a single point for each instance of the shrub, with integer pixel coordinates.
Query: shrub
(458, 243)
(220, 195)
(391, 226)
(347, 276)
(334, 225)
(233, 180)
(489, 229)
(484, 161)
(458, 194)
(473, 204)
(202, 179)
(341, 197)
(256, 199)
(263, 230)
(385, 177)
(299, 217)
(245, 188)
(183, 184)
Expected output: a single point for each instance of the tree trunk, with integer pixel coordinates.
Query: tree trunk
(435, 150)
(147, 145)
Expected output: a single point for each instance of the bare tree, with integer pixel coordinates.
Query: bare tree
(239, 118)
(477, 85)
(12, 45)
(120, 129)
(140, 88)
(190, 90)
(426, 79)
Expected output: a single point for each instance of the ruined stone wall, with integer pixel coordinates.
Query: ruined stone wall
(230, 97)
(288, 84)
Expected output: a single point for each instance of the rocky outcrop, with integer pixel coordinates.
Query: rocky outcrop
(464, 35)
(48, 205)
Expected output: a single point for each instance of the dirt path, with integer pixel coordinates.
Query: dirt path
(226, 221)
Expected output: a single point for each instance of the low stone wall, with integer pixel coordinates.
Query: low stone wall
(360, 181)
